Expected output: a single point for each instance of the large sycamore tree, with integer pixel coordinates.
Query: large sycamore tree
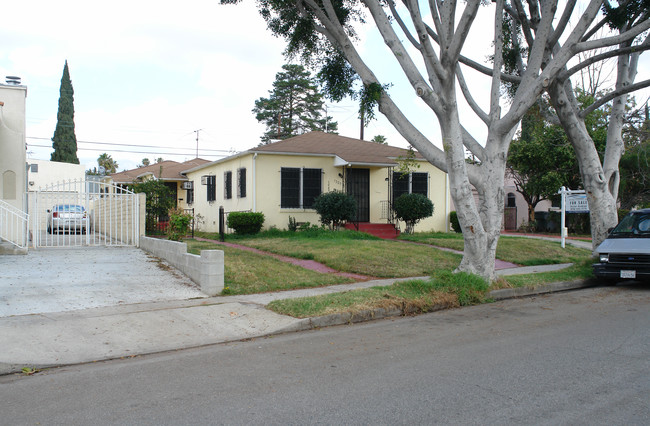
(427, 40)
(601, 178)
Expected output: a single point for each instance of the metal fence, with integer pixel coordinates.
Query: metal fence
(84, 213)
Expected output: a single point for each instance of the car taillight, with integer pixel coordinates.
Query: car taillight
(55, 214)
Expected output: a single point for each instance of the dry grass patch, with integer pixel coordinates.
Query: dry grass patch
(443, 290)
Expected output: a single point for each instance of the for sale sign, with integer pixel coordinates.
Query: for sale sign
(576, 203)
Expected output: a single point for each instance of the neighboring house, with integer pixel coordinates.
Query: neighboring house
(282, 179)
(12, 144)
(169, 172)
(515, 212)
(516, 209)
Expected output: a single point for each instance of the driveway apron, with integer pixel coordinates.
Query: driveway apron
(56, 280)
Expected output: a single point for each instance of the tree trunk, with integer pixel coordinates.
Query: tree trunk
(602, 203)
(481, 221)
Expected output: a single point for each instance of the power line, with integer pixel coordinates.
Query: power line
(137, 152)
(128, 144)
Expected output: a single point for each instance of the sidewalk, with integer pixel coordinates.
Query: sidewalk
(61, 338)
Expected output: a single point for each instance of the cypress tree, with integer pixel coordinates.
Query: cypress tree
(64, 141)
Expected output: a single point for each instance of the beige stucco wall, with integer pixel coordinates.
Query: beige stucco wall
(52, 172)
(210, 210)
(522, 206)
(263, 190)
(12, 144)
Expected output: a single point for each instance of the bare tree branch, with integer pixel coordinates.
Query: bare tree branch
(616, 93)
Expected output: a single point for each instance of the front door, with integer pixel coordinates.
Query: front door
(358, 185)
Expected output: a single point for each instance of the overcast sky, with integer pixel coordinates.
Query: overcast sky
(151, 74)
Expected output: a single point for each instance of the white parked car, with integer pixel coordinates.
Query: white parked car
(68, 218)
(625, 254)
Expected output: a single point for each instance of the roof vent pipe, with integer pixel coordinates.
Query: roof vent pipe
(12, 80)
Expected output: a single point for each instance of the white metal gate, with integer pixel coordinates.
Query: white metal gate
(84, 213)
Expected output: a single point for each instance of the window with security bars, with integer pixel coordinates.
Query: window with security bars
(410, 183)
(299, 187)
(189, 196)
(227, 185)
(211, 187)
(241, 183)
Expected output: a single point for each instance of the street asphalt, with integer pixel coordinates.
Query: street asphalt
(70, 306)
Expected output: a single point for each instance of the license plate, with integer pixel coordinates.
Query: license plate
(628, 274)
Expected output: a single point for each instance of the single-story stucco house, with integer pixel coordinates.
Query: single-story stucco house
(169, 172)
(282, 179)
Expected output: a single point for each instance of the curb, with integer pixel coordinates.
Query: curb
(380, 313)
(318, 322)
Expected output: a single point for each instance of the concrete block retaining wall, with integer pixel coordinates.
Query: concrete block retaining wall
(206, 270)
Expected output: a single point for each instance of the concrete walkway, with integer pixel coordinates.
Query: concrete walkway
(117, 322)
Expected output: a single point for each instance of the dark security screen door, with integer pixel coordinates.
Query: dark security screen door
(358, 185)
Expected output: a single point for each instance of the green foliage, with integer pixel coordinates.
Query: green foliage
(294, 106)
(455, 224)
(292, 224)
(107, 162)
(379, 139)
(407, 163)
(541, 159)
(335, 207)
(245, 223)
(411, 208)
(634, 189)
(179, 224)
(369, 98)
(158, 203)
(64, 140)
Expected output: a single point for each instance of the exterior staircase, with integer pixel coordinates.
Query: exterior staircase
(386, 231)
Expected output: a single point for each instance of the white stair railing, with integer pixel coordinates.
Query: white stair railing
(13, 225)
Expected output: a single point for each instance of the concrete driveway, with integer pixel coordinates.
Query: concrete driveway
(65, 279)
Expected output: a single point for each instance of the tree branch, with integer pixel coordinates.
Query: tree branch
(614, 40)
(400, 22)
(458, 40)
(616, 93)
(468, 96)
(561, 26)
(601, 57)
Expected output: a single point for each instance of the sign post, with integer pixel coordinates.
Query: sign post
(573, 201)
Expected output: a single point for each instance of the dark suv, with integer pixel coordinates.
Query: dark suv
(625, 254)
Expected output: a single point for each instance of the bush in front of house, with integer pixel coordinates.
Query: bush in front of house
(411, 208)
(455, 224)
(245, 223)
(335, 208)
(178, 225)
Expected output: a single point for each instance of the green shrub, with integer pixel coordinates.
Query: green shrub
(179, 224)
(245, 223)
(335, 207)
(411, 208)
(455, 224)
(293, 226)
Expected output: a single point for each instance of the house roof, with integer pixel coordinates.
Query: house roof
(351, 151)
(165, 170)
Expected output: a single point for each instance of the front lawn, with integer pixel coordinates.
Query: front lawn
(248, 273)
(354, 252)
(519, 250)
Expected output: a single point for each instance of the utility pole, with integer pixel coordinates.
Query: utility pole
(361, 126)
(197, 142)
